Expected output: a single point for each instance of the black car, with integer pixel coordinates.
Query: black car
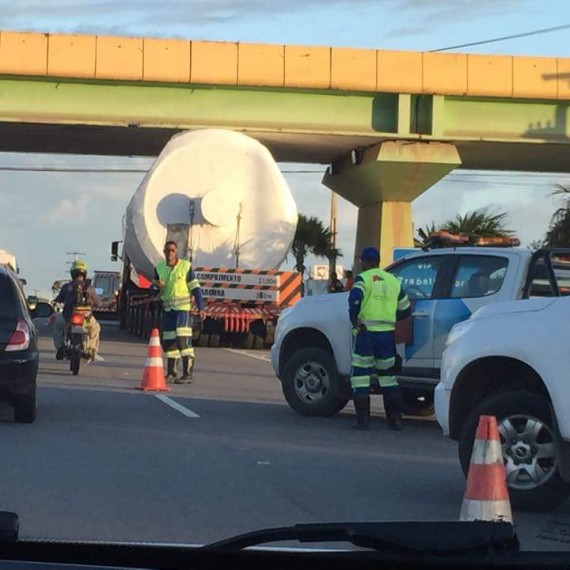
(19, 352)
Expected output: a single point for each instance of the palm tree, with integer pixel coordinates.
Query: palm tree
(311, 237)
(423, 235)
(479, 223)
(558, 234)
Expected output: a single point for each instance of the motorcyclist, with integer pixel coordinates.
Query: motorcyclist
(77, 292)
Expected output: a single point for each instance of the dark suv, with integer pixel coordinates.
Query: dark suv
(18, 347)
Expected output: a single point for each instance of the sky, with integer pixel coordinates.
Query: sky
(45, 215)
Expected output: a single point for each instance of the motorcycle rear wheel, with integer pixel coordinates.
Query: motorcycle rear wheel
(75, 362)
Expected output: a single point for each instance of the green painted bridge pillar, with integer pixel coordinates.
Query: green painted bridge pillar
(383, 181)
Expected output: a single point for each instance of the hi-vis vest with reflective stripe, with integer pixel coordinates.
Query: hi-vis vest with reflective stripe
(380, 303)
(175, 293)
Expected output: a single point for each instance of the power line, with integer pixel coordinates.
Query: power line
(75, 170)
(81, 170)
(505, 38)
(498, 179)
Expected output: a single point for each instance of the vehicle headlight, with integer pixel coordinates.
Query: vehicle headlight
(458, 331)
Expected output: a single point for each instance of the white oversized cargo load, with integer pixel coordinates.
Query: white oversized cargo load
(221, 196)
(8, 259)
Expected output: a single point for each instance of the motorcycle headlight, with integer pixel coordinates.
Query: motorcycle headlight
(458, 331)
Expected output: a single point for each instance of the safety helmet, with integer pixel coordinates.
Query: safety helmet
(78, 267)
(370, 254)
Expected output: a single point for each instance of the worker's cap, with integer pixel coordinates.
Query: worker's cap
(370, 254)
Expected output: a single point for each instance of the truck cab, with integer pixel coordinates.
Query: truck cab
(106, 285)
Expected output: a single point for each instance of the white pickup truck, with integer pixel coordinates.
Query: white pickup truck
(512, 360)
(312, 350)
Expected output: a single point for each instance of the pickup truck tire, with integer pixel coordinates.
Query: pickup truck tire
(526, 430)
(311, 385)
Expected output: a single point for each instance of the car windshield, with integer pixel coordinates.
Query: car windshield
(273, 263)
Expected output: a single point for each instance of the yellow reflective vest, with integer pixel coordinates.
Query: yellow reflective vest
(176, 293)
(383, 297)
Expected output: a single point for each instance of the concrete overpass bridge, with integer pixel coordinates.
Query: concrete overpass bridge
(389, 124)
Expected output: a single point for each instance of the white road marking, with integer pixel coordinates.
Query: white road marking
(178, 407)
(99, 358)
(263, 356)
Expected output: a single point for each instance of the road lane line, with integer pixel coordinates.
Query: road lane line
(178, 407)
(263, 357)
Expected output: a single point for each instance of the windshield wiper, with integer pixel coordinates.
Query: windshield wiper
(479, 538)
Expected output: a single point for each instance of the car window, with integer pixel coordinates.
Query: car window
(561, 268)
(418, 276)
(8, 299)
(478, 276)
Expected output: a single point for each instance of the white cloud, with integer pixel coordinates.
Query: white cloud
(176, 18)
(67, 212)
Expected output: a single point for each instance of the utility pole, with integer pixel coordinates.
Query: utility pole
(75, 255)
(332, 228)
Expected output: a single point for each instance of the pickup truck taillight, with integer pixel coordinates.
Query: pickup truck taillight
(20, 339)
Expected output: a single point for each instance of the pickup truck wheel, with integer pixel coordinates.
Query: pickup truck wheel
(310, 384)
(529, 449)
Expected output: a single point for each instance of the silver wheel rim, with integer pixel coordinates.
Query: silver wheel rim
(529, 451)
(311, 383)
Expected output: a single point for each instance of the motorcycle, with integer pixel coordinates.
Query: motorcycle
(77, 338)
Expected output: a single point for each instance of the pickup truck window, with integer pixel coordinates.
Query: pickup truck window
(478, 276)
(561, 268)
(418, 276)
(540, 285)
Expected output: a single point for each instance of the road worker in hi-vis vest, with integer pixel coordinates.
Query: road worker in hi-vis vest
(376, 301)
(175, 279)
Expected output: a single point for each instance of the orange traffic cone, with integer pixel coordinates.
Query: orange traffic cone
(153, 376)
(486, 497)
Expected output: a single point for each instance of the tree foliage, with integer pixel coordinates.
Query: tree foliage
(311, 238)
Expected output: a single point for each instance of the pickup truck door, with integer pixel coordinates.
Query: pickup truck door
(475, 280)
(422, 278)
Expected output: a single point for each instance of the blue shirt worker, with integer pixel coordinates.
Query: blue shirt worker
(175, 279)
(376, 301)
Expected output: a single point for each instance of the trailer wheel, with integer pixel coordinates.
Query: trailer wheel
(249, 341)
(214, 340)
(204, 340)
(148, 323)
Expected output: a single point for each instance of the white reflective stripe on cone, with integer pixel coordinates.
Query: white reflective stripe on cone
(154, 341)
(154, 362)
(486, 452)
(473, 510)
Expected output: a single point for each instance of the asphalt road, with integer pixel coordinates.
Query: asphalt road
(105, 461)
